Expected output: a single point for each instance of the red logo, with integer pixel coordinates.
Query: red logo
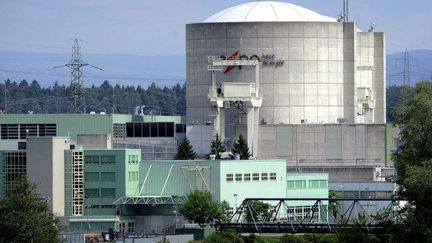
(232, 56)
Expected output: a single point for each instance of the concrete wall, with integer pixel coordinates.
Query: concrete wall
(316, 82)
(324, 145)
(45, 167)
(95, 141)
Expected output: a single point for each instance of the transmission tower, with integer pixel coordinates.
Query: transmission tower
(77, 85)
(406, 71)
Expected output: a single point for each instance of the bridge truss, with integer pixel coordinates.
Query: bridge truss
(324, 215)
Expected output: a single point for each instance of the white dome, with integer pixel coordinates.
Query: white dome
(267, 11)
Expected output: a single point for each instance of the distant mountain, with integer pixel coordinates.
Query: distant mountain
(420, 67)
(163, 70)
(118, 69)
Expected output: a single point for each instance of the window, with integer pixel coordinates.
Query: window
(313, 184)
(255, 176)
(133, 176)
(91, 193)
(290, 185)
(180, 128)
(351, 194)
(107, 176)
(91, 159)
(150, 129)
(264, 176)
(229, 177)
(91, 176)
(108, 192)
(300, 184)
(247, 177)
(238, 177)
(272, 176)
(108, 159)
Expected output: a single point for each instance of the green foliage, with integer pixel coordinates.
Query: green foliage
(24, 216)
(23, 97)
(395, 97)
(217, 147)
(240, 147)
(229, 236)
(200, 207)
(185, 151)
(334, 206)
(414, 164)
(225, 207)
(261, 212)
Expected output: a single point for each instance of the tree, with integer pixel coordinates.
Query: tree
(24, 216)
(413, 163)
(200, 207)
(224, 205)
(240, 147)
(217, 147)
(260, 211)
(185, 151)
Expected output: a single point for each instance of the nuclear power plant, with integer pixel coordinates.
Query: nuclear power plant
(299, 85)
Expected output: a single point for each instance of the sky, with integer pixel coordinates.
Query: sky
(143, 27)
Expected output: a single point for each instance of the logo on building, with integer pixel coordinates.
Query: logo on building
(265, 60)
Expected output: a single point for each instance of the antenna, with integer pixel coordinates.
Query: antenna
(345, 12)
(77, 84)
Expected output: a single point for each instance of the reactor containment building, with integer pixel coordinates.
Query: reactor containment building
(299, 85)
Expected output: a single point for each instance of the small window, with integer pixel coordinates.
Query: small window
(91, 176)
(247, 177)
(313, 184)
(272, 176)
(300, 184)
(290, 184)
(107, 159)
(264, 176)
(255, 176)
(238, 177)
(229, 177)
(108, 192)
(91, 193)
(107, 176)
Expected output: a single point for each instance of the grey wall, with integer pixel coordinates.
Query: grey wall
(324, 145)
(45, 167)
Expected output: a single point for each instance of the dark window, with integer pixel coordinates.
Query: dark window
(170, 129)
(4, 131)
(42, 130)
(138, 129)
(180, 128)
(162, 129)
(154, 130)
(146, 130)
(129, 129)
(22, 145)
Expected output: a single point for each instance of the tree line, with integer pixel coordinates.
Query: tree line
(24, 97)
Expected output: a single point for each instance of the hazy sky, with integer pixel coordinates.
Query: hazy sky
(157, 27)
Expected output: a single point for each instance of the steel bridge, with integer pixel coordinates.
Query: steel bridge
(323, 215)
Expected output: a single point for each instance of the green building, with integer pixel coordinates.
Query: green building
(94, 179)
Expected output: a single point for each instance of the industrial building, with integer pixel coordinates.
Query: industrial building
(155, 135)
(299, 85)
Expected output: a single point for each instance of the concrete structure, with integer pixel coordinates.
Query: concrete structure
(323, 78)
(45, 167)
(156, 136)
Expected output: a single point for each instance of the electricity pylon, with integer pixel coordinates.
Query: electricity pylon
(77, 84)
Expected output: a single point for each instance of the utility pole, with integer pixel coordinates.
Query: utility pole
(77, 84)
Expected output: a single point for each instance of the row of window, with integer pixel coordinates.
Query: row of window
(366, 194)
(21, 131)
(104, 193)
(96, 159)
(251, 176)
(96, 176)
(133, 159)
(133, 176)
(149, 129)
(302, 184)
(102, 206)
